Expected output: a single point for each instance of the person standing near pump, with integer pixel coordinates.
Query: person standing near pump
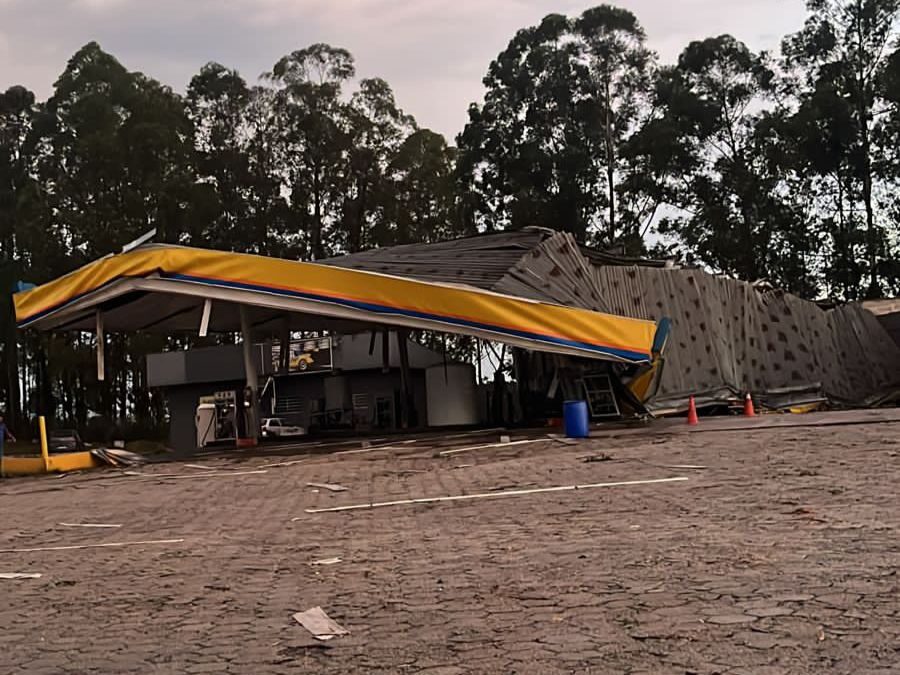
(4, 434)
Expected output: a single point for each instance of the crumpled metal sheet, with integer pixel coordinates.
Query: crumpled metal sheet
(729, 338)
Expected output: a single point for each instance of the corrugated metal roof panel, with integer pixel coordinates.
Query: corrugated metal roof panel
(728, 338)
(555, 271)
(479, 261)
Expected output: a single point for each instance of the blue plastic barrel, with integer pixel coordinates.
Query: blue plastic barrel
(575, 419)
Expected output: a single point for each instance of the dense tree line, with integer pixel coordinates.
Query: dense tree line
(781, 167)
(764, 166)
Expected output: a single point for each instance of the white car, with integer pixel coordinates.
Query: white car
(274, 427)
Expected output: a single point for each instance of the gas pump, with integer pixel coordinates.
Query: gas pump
(216, 419)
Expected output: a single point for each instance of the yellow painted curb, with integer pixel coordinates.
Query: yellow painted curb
(69, 461)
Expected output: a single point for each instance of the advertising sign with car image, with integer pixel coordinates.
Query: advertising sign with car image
(312, 355)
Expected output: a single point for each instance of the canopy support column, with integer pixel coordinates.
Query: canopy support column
(284, 349)
(101, 355)
(251, 375)
(406, 399)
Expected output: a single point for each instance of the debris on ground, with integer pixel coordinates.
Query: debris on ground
(20, 575)
(204, 474)
(90, 525)
(485, 446)
(317, 622)
(563, 439)
(492, 495)
(511, 486)
(697, 467)
(117, 457)
(602, 457)
(115, 544)
(274, 464)
(333, 487)
(326, 561)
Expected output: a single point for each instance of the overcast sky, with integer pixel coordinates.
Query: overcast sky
(432, 52)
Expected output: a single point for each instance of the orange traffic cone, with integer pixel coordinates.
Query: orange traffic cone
(692, 412)
(748, 406)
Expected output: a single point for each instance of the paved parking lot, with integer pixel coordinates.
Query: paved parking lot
(779, 554)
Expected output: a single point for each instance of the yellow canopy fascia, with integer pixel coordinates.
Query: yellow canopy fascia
(338, 292)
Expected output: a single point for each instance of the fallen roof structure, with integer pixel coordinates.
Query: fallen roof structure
(170, 288)
(888, 313)
(727, 336)
(528, 288)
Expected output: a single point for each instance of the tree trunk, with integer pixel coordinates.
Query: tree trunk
(358, 222)
(11, 359)
(315, 237)
(874, 290)
(10, 343)
(862, 113)
(843, 256)
(610, 168)
(45, 403)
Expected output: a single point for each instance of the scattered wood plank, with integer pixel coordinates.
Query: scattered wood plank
(333, 487)
(472, 432)
(20, 575)
(681, 466)
(493, 495)
(274, 464)
(326, 561)
(317, 622)
(90, 525)
(565, 440)
(470, 448)
(115, 544)
(205, 474)
(358, 451)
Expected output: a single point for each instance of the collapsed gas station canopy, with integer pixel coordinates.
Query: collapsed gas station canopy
(160, 288)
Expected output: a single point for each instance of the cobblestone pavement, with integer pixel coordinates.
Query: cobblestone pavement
(780, 556)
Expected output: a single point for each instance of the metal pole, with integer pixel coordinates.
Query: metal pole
(42, 426)
(204, 319)
(101, 343)
(406, 409)
(251, 375)
(284, 355)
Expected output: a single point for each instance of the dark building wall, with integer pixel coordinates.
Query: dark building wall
(182, 400)
(208, 364)
(307, 389)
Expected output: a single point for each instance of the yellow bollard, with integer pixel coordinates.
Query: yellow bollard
(42, 425)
